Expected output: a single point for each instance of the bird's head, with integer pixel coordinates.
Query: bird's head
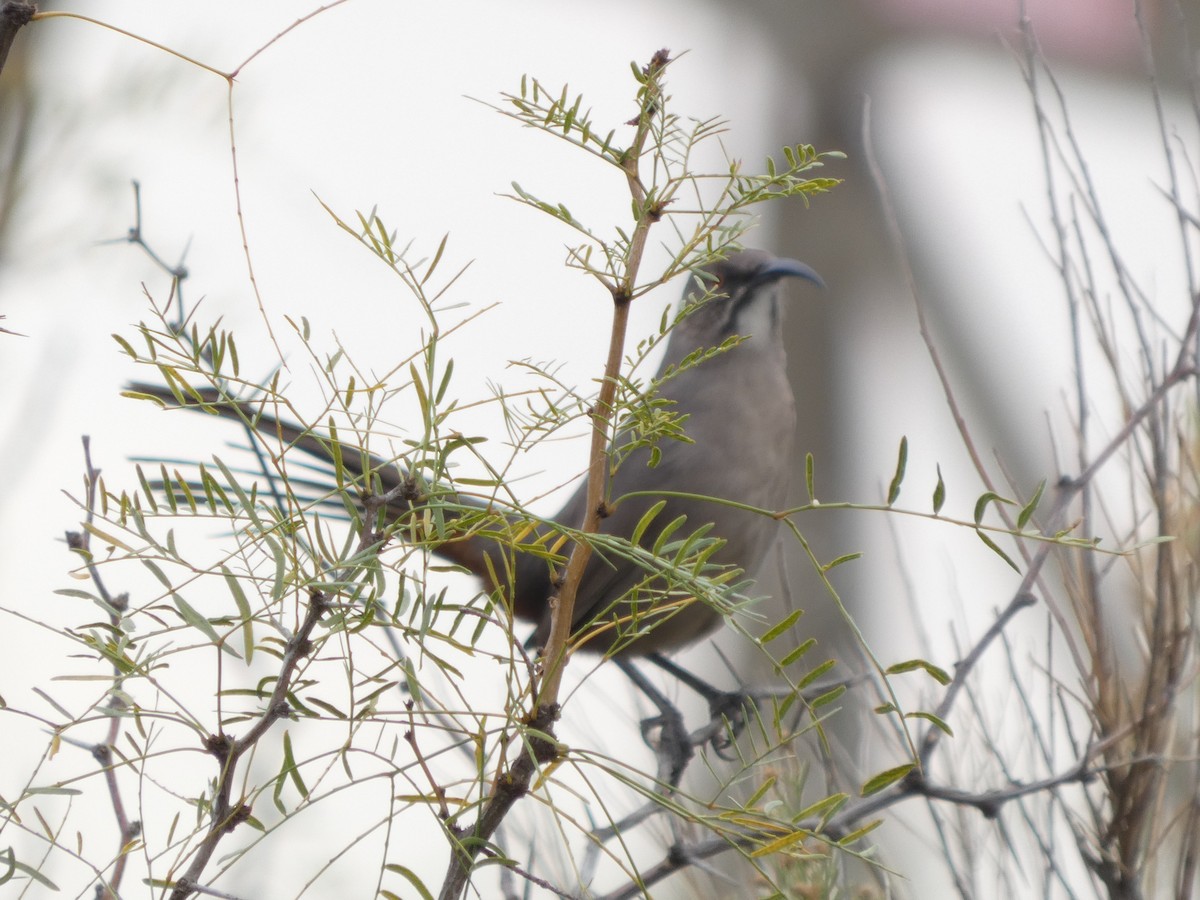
(741, 297)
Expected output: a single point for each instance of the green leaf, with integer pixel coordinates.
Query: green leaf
(930, 717)
(982, 503)
(781, 843)
(886, 779)
(665, 535)
(912, 665)
(804, 647)
(816, 673)
(411, 877)
(247, 505)
(782, 627)
(55, 791)
(901, 465)
(290, 768)
(1028, 509)
(54, 703)
(106, 537)
(279, 582)
(861, 832)
(441, 391)
(822, 809)
(147, 491)
(158, 573)
(437, 257)
(335, 450)
(828, 697)
(182, 486)
(849, 557)
(753, 799)
(644, 522)
(8, 859)
(995, 548)
(193, 618)
(243, 605)
(132, 354)
(939, 493)
(328, 707)
(79, 595)
(809, 478)
(419, 387)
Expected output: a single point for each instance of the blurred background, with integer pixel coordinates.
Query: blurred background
(373, 104)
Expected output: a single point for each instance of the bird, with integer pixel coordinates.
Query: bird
(738, 413)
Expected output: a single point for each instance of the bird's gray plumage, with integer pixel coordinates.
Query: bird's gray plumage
(740, 418)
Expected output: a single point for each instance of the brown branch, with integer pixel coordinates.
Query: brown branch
(539, 745)
(680, 856)
(225, 816)
(410, 735)
(933, 735)
(562, 605)
(127, 830)
(13, 17)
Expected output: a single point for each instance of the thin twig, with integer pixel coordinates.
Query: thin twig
(228, 751)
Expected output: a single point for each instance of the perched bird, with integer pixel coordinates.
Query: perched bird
(740, 415)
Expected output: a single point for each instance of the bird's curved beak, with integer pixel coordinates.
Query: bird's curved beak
(788, 268)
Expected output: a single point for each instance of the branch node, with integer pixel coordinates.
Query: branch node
(300, 646)
(219, 745)
(236, 818)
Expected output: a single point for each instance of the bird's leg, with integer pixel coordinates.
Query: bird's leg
(728, 706)
(674, 746)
